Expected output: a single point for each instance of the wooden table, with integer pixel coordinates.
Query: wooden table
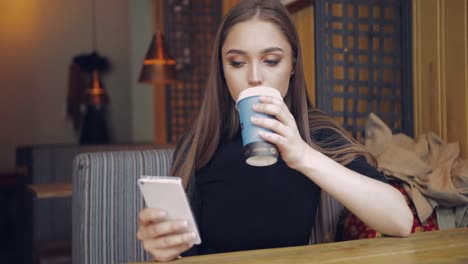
(52, 190)
(448, 246)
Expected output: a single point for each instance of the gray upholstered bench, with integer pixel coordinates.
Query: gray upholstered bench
(106, 202)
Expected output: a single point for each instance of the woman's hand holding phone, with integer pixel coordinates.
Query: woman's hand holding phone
(164, 239)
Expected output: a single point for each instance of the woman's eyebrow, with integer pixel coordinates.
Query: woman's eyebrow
(236, 51)
(241, 52)
(268, 50)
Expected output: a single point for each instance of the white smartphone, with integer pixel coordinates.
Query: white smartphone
(167, 193)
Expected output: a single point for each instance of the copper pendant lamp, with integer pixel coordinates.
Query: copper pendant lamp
(96, 95)
(158, 66)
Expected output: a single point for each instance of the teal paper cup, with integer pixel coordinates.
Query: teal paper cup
(257, 151)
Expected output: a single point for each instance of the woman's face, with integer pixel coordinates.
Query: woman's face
(255, 53)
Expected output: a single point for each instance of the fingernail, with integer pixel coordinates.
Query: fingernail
(192, 235)
(254, 119)
(255, 106)
(183, 224)
(159, 214)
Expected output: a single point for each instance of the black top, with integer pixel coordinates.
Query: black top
(241, 207)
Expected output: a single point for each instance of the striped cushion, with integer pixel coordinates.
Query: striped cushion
(106, 202)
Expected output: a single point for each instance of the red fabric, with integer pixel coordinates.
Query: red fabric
(354, 228)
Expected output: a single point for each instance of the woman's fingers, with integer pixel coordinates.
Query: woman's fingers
(270, 99)
(162, 238)
(161, 229)
(169, 254)
(280, 131)
(169, 241)
(271, 124)
(276, 139)
(275, 107)
(151, 215)
(285, 134)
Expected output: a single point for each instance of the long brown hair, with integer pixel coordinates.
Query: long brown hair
(218, 117)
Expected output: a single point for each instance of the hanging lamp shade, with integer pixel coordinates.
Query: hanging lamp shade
(96, 95)
(158, 66)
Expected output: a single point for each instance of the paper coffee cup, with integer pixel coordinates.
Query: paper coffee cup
(257, 151)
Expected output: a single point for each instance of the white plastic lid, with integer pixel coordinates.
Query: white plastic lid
(259, 90)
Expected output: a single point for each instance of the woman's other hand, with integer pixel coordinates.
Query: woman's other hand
(285, 134)
(164, 239)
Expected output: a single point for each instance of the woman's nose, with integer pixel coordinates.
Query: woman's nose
(255, 76)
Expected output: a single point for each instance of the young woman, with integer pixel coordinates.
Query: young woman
(240, 207)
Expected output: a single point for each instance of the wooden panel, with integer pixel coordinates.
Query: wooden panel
(304, 20)
(456, 70)
(440, 48)
(427, 64)
(54, 190)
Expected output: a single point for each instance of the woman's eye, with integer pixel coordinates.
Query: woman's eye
(271, 62)
(237, 64)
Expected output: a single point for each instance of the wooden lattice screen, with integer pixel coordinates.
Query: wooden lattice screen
(363, 62)
(190, 27)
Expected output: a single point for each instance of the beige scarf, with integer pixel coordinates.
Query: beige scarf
(434, 173)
